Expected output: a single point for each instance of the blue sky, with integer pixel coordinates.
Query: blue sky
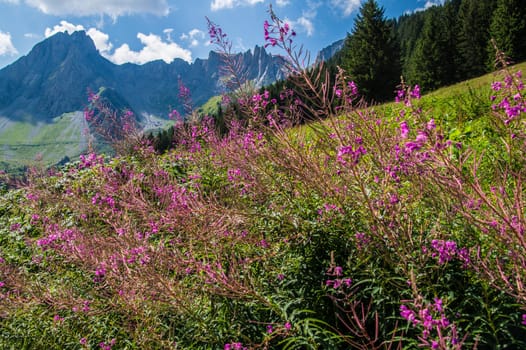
(140, 31)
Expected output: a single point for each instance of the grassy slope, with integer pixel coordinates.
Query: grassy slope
(22, 142)
(102, 326)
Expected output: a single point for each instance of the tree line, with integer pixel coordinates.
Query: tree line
(436, 47)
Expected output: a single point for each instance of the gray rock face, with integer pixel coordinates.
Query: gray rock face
(54, 78)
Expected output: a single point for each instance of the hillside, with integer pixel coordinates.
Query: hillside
(389, 225)
(43, 94)
(54, 78)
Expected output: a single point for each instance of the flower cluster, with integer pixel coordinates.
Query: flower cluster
(278, 32)
(512, 97)
(108, 345)
(437, 331)
(90, 160)
(446, 251)
(354, 154)
(337, 281)
(406, 94)
(215, 33)
(235, 346)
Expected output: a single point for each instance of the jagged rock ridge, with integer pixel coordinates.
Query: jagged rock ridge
(55, 76)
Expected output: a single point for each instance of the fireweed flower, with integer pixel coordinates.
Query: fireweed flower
(524, 319)
(353, 87)
(431, 320)
(277, 33)
(496, 86)
(446, 251)
(234, 346)
(416, 92)
(355, 154)
(269, 329)
(404, 130)
(431, 124)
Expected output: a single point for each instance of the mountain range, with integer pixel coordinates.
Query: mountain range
(54, 78)
(43, 94)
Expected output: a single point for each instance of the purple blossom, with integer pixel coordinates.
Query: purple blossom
(447, 251)
(408, 314)
(496, 86)
(353, 87)
(400, 96)
(416, 92)
(421, 137)
(354, 154)
(100, 272)
(404, 130)
(431, 124)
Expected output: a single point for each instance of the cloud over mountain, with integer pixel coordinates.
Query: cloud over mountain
(154, 47)
(6, 45)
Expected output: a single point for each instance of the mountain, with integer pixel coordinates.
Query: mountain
(54, 78)
(328, 52)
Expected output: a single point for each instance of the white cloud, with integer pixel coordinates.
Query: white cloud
(303, 25)
(113, 8)
(346, 6)
(228, 4)
(428, 4)
(194, 37)
(32, 36)
(101, 40)
(168, 32)
(64, 26)
(281, 3)
(154, 49)
(6, 45)
(433, 3)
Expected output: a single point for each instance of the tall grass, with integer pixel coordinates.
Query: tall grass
(373, 228)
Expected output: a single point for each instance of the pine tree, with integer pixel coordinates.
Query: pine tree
(408, 29)
(372, 53)
(508, 29)
(433, 60)
(474, 19)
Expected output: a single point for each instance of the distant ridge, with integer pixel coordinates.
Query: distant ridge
(329, 51)
(55, 76)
